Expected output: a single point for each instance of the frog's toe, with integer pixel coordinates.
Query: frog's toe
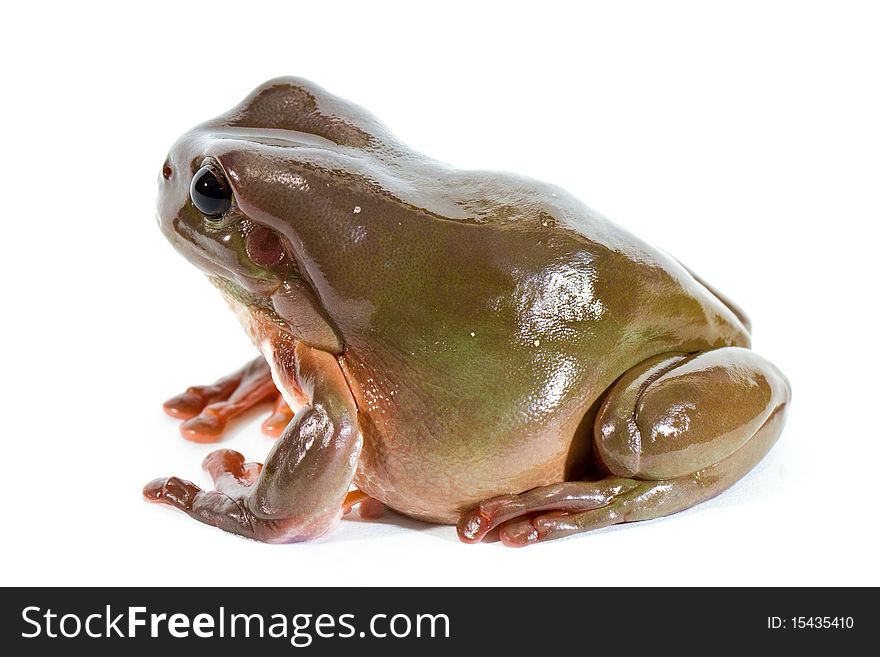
(230, 472)
(474, 525)
(188, 404)
(368, 507)
(208, 426)
(207, 410)
(518, 532)
(281, 416)
(172, 491)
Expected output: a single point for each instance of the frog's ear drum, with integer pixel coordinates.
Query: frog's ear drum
(210, 192)
(264, 247)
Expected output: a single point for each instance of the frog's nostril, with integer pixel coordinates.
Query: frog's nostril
(167, 171)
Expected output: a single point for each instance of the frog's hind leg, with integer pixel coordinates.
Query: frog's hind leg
(648, 499)
(674, 431)
(207, 409)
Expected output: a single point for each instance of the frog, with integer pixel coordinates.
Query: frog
(463, 347)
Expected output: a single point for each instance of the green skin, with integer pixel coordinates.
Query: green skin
(465, 347)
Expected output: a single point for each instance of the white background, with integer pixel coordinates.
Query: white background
(743, 137)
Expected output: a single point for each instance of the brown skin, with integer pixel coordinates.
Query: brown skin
(458, 343)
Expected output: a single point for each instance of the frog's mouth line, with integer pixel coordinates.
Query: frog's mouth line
(242, 295)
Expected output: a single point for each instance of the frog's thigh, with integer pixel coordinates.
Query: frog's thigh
(673, 431)
(673, 415)
(299, 492)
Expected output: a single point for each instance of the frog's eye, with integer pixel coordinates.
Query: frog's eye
(210, 192)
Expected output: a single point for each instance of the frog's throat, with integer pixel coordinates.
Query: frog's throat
(269, 333)
(254, 311)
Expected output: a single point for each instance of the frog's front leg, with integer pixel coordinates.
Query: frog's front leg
(300, 491)
(207, 409)
(674, 431)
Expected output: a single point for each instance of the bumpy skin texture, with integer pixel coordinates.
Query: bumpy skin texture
(480, 319)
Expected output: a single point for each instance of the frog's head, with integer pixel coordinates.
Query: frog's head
(242, 196)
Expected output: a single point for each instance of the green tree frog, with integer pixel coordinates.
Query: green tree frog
(464, 347)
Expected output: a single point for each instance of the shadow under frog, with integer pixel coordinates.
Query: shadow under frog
(465, 347)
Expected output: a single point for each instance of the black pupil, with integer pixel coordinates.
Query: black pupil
(209, 192)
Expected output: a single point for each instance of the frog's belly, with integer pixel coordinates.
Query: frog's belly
(436, 479)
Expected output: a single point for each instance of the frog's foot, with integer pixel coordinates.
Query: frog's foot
(213, 507)
(301, 490)
(206, 410)
(513, 512)
(674, 431)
